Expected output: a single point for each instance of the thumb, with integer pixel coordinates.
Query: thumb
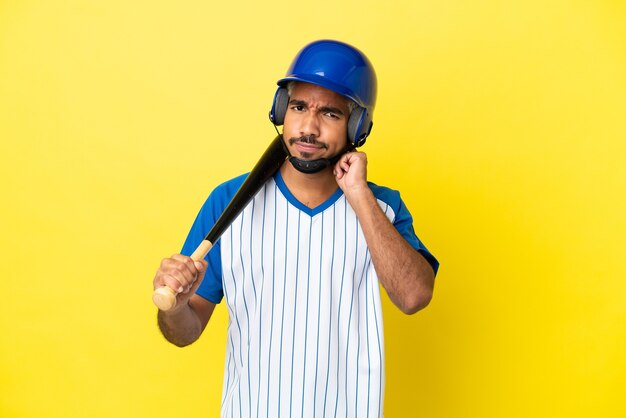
(201, 266)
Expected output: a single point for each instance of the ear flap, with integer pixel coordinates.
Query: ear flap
(279, 106)
(359, 126)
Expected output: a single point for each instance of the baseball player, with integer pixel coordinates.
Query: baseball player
(300, 268)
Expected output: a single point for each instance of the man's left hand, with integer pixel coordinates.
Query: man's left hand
(351, 174)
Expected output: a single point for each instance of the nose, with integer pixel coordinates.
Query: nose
(310, 124)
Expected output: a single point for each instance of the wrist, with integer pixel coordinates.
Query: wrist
(359, 194)
(177, 310)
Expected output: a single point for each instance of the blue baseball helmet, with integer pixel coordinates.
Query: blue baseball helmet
(341, 68)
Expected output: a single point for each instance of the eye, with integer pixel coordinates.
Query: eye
(332, 115)
(297, 108)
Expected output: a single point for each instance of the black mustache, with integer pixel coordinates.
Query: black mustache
(308, 139)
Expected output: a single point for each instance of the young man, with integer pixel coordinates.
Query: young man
(301, 266)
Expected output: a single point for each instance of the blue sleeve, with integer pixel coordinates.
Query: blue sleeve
(403, 221)
(211, 287)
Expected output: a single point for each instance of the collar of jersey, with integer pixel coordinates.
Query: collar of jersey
(295, 202)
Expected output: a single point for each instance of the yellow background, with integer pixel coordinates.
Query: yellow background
(502, 123)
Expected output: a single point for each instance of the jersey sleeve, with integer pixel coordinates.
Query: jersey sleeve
(403, 221)
(211, 287)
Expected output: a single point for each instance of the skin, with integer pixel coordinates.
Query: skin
(315, 127)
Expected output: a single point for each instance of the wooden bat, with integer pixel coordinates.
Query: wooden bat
(271, 160)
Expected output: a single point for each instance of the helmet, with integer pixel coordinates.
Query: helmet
(341, 68)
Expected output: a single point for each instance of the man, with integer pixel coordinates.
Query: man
(300, 267)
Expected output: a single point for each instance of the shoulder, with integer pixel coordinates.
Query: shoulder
(219, 198)
(230, 187)
(386, 195)
(223, 193)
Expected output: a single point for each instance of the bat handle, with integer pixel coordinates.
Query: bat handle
(165, 298)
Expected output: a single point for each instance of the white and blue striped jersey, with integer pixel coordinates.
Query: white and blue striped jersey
(305, 331)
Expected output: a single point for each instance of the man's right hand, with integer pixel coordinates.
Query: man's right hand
(181, 274)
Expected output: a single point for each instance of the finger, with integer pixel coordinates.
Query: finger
(187, 262)
(179, 271)
(338, 171)
(343, 163)
(177, 268)
(173, 282)
(201, 266)
(180, 287)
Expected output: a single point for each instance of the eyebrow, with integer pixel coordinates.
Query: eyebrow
(322, 109)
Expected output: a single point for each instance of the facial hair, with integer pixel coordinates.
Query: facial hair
(307, 139)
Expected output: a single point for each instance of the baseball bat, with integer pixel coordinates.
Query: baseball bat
(271, 160)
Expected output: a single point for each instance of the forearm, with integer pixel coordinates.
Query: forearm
(406, 276)
(181, 326)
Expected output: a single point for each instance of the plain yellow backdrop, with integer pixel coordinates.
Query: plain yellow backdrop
(503, 123)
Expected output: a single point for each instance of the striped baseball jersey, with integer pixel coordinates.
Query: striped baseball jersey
(305, 329)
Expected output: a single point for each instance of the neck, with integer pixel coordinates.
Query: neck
(310, 189)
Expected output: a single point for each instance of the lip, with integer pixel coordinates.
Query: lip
(307, 148)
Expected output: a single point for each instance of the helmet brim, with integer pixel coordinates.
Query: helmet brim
(322, 82)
